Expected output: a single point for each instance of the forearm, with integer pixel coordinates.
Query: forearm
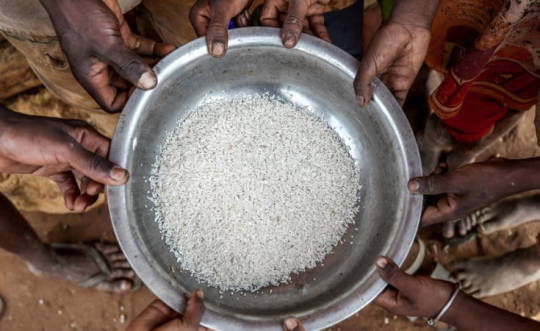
(522, 175)
(468, 313)
(415, 12)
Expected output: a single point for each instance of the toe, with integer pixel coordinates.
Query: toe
(116, 257)
(448, 230)
(120, 285)
(490, 226)
(462, 227)
(120, 265)
(107, 248)
(122, 273)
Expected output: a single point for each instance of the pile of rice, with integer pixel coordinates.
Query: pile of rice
(250, 190)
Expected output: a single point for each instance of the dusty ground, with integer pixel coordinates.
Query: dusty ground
(34, 303)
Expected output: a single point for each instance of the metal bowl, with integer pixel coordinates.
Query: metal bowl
(315, 74)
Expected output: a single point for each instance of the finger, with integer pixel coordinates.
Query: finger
(379, 56)
(294, 22)
(444, 211)
(130, 67)
(83, 201)
(154, 315)
(217, 35)
(293, 324)
(194, 309)
(94, 188)
(90, 139)
(394, 276)
(316, 24)
(93, 165)
(148, 47)
(362, 82)
(94, 76)
(270, 12)
(431, 185)
(244, 19)
(68, 186)
(199, 18)
(387, 299)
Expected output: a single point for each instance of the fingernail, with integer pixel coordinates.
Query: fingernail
(147, 81)
(360, 100)
(291, 323)
(381, 262)
(119, 174)
(413, 185)
(218, 49)
(200, 294)
(290, 40)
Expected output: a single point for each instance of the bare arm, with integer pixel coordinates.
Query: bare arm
(468, 313)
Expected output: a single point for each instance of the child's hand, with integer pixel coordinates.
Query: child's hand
(158, 317)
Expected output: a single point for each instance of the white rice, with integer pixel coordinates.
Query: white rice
(251, 190)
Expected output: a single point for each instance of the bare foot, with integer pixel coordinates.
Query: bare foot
(484, 277)
(100, 266)
(505, 214)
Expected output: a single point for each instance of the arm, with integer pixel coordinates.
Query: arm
(475, 186)
(425, 297)
(397, 51)
(468, 313)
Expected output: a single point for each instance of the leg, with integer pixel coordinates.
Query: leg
(434, 141)
(505, 214)
(18, 238)
(492, 276)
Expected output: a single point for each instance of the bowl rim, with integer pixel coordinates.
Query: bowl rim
(121, 149)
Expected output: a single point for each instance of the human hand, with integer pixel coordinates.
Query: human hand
(62, 150)
(295, 16)
(411, 295)
(103, 52)
(395, 54)
(473, 186)
(211, 18)
(158, 317)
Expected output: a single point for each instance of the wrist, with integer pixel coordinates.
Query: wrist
(418, 13)
(457, 309)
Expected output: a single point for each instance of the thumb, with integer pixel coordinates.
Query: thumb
(131, 67)
(94, 166)
(293, 324)
(431, 185)
(217, 35)
(294, 22)
(395, 277)
(194, 309)
(154, 315)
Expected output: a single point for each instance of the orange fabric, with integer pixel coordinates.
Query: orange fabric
(489, 53)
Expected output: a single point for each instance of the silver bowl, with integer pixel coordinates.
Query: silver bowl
(315, 74)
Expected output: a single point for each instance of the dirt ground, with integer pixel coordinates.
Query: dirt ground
(36, 303)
